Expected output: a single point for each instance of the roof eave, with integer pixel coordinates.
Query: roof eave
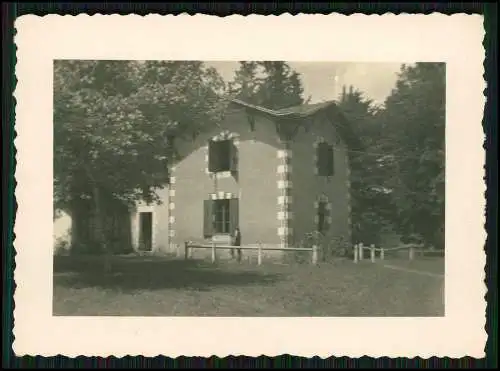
(348, 134)
(275, 113)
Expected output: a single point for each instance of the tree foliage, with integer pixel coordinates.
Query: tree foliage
(414, 120)
(270, 84)
(370, 201)
(114, 124)
(113, 121)
(398, 177)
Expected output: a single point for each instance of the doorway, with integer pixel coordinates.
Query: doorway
(145, 231)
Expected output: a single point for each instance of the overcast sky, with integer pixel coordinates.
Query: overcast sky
(323, 80)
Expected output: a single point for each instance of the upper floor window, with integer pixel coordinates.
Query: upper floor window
(325, 159)
(221, 156)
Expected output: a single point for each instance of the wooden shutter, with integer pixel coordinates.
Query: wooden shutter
(212, 156)
(325, 159)
(225, 155)
(234, 157)
(208, 221)
(331, 160)
(322, 157)
(326, 211)
(233, 214)
(321, 216)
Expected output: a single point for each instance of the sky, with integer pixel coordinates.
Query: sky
(323, 80)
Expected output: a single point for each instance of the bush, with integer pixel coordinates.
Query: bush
(62, 246)
(328, 248)
(334, 247)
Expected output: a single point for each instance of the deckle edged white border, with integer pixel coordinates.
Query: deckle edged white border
(455, 39)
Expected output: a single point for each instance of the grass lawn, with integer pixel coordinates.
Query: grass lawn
(160, 286)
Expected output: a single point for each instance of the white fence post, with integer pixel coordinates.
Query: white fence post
(411, 253)
(360, 251)
(382, 253)
(186, 250)
(355, 253)
(372, 253)
(314, 254)
(259, 255)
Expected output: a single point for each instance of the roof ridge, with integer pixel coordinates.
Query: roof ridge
(287, 111)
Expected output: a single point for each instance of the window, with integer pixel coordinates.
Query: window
(221, 156)
(220, 216)
(321, 227)
(325, 159)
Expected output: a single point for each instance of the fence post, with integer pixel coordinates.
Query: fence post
(213, 252)
(314, 254)
(186, 250)
(259, 255)
(372, 253)
(355, 253)
(238, 251)
(411, 253)
(360, 251)
(382, 253)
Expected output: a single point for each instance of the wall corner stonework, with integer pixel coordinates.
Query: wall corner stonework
(284, 185)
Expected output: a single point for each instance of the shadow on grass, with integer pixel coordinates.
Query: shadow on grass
(151, 273)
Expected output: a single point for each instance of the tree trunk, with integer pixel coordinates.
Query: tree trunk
(100, 235)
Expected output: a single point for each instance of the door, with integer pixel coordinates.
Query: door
(146, 231)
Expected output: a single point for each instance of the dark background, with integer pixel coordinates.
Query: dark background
(10, 11)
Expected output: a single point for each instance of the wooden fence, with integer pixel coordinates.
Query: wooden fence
(412, 250)
(189, 246)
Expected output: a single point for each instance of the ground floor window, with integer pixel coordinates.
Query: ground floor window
(321, 217)
(220, 216)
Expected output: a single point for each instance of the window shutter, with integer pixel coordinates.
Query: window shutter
(331, 160)
(234, 158)
(326, 225)
(322, 217)
(325, 159)
(208, 223)
(233, 214)
(212, 156)
(322, 157)
(225, 154)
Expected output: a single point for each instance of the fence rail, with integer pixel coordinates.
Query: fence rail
(359, 250)
(412, 249)
(189, 246)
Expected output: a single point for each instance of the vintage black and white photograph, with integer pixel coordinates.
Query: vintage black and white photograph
(248, 188)
(195, 185)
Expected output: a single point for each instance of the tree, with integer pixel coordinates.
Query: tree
(414, 122)
(245, 83)
(281, 87)
(114, 122)
(270, 84)
(370, 200)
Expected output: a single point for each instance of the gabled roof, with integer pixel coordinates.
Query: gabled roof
(308, 110)
(301, 111)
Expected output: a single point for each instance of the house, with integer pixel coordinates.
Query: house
(277, 174)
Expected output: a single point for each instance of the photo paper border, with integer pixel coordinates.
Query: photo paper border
(433, 34)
